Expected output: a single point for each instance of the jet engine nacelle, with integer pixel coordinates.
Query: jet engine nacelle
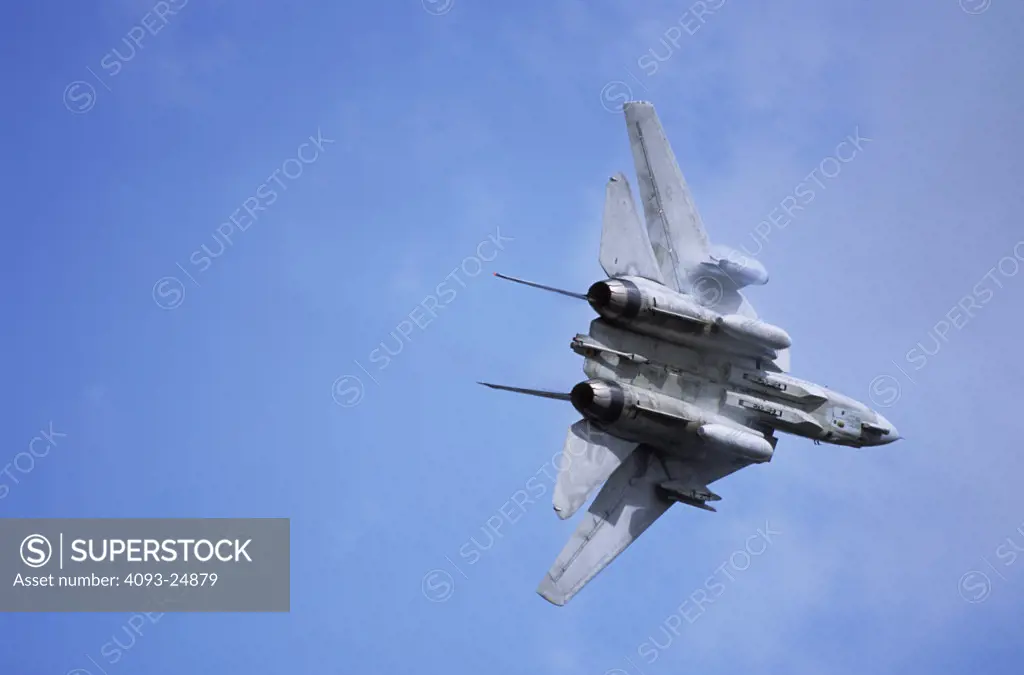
(740, 268)
(616, 404)
(645, 416)
(627, 298)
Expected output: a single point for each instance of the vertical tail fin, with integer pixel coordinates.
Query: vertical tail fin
(675, 227)
(625, 245)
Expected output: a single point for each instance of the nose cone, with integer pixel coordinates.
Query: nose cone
(893, 435)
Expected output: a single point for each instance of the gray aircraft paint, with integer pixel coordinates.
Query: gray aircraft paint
(684, 386)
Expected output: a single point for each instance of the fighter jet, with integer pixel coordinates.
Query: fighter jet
(686, 384)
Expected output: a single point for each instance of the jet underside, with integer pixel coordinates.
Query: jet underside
(686, 385)
(737, 388)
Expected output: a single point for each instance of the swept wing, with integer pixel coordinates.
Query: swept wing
(639, 490)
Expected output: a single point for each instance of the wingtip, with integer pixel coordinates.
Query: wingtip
(549, 592)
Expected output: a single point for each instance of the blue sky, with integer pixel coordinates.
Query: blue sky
(445, 125)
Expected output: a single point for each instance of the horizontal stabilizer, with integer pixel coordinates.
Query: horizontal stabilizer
(624, 508)
(588, 458)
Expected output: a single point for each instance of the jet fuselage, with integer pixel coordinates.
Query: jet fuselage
(687, 385)
(715, 387)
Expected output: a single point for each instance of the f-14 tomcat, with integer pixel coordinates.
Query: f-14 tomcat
(686, 385)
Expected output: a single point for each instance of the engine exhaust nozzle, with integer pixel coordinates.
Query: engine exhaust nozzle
(619, 298)
(598, 400)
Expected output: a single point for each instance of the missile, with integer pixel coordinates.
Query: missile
(690, 492)
(581, 345)
(683, 499)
